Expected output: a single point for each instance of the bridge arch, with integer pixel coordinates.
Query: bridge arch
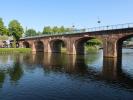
(120, 44)
(26, 44)
(123, 38)
(80, 44)
(57, 44)
(39, 46)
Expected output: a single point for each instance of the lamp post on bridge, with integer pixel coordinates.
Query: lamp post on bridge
(73, 26)
(99, 22)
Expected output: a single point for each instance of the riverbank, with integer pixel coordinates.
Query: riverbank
(15, 50)
(89, 49)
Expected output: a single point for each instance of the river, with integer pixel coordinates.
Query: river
(66, 77)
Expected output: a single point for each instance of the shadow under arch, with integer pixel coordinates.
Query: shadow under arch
(39, 46)
(26, 44)
(80, 44)
(56, 45)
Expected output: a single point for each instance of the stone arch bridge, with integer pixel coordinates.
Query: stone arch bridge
(112, 39)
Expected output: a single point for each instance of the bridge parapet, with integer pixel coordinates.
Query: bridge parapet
(93, 29)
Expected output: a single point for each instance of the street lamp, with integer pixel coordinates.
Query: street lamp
(73, 26)
(99, 23)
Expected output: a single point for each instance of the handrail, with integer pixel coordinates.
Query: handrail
(93, 29)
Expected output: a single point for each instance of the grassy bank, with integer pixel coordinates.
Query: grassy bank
(89, 49)
(15, 50)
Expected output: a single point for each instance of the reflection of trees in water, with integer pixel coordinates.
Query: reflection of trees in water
(2, 78)
(4, 59)
(14, 71)
(26, 58)
(8, 58)
(73, 66)
(92, 57)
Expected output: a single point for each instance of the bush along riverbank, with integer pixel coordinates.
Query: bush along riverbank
(15, 50)
(88, 49)
(91, 49)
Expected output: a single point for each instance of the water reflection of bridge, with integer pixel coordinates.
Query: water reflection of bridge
(72, 65)
(76, 65)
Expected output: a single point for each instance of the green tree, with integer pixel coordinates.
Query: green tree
(30, 32)
(47, 30)
(93, 42)
(67, 30)
(38, 33)
(4, 37)
(55, 30)
(15, 30)
(16, 72)
(62, 29)
(3, 29)
(2, 78)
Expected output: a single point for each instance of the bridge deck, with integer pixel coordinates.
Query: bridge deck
(89, 30)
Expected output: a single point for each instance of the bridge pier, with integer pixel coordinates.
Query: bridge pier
(70, 47)
(47, 48)
(33, 47)
(110, 48)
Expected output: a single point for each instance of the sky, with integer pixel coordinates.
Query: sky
(81, 13)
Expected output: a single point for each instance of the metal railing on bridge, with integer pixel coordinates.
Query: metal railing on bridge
(111, 27)
(93, 29)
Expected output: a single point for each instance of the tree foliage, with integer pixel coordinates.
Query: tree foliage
(38, 33)
(15, 29)
(62, 29)
(30, 32)
(94, 42)
(55, 30)
(47, 30)
(4, 37)
(3, 29)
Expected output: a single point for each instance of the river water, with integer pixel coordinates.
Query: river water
(66, 77)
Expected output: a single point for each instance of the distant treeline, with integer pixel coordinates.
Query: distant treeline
(48, 31)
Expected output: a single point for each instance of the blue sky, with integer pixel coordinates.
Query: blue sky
(81, 13)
